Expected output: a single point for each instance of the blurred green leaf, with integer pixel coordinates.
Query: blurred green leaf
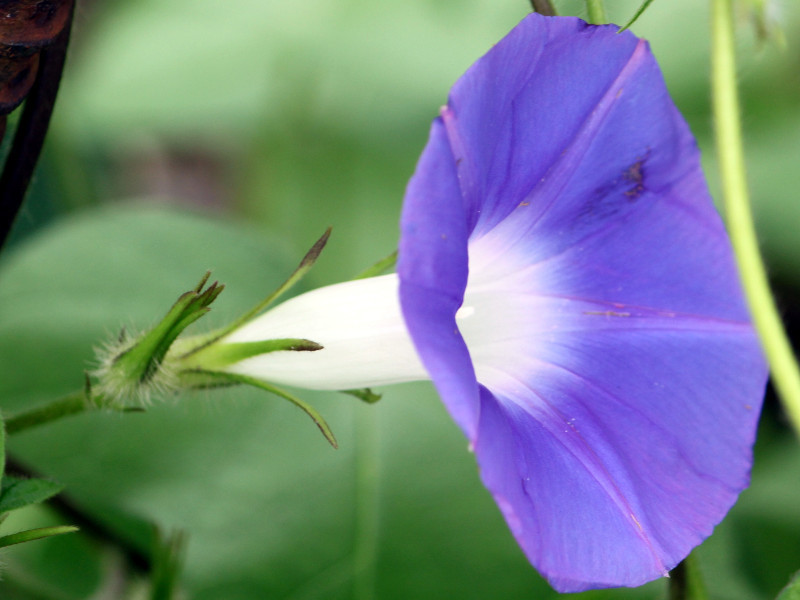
(2, 447)
(195, 67)
(168, 557)
(792, 590)
(17, 492)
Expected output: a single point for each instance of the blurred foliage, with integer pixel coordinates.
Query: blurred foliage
(791, 591)
(244, 129)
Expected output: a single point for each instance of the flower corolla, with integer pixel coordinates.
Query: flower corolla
(566, 283)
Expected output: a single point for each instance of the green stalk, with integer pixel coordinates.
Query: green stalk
(63, 407)
(596, 12)
(686, 581)
(368, 483)
(776, 345)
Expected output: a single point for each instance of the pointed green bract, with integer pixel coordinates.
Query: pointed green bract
(636, 15)
(380, 267)
(210, 379)
(35, 534)
(304, 267)
(217, 356)
(129, 372)
(143, 358)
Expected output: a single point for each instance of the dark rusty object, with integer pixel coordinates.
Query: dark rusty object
(33, 42)
(26, 27)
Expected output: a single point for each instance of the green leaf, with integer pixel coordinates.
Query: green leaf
(17, 492)
(310, 60)
(792, 590)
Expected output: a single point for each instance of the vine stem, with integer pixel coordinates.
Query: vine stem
(72, 404)
(367, 502)
(686, 582)
(726, 114)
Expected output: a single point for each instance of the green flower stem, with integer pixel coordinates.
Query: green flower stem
(596, 12)
(73, 404)
(686, 582)
(785, 373)
(368, 484)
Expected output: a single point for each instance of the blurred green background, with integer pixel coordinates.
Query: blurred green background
(193, 135)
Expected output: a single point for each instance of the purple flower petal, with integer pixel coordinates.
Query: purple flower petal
(570, 289)
(433, 289)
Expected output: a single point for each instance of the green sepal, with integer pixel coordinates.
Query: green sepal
(365, 394)
(792, 590)
(636, 15)
(35, 534)
(17, 492)
(304, 267)
(140, 362)
(379, 268)
(217, 356)
(200, 379)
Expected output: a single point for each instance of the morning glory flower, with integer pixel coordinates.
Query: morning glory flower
(566, 283)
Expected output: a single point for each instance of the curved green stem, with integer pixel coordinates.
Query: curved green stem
(596, 12)
(785, 373)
